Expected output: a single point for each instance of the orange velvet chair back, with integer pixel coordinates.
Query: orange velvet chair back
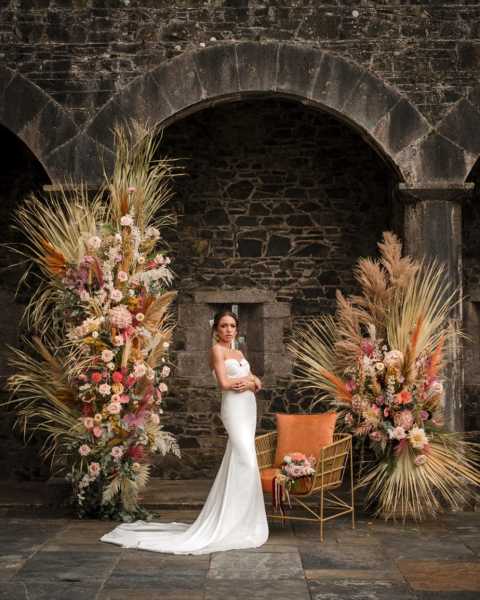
(303, 433)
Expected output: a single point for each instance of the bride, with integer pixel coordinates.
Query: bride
(233, 515)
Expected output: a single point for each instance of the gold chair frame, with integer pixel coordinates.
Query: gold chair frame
(329, 474)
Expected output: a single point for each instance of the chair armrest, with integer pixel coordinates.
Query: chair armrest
(265, 446)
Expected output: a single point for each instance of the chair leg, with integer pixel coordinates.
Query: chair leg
(321, 515)
(351, 487)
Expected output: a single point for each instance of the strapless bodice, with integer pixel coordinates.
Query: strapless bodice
(235, 367)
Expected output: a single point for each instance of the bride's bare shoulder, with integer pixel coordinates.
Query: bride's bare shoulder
(216, 352)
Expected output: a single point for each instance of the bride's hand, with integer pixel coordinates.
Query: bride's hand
(244, 385)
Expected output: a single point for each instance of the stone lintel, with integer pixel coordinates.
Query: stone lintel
(446, 192)
(240, 296)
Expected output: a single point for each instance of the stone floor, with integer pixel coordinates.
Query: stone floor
(62, 559)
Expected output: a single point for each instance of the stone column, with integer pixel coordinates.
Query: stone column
(433, 229)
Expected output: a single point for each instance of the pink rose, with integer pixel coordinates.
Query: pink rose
(117, 377)
(97, 432)
(84, 450)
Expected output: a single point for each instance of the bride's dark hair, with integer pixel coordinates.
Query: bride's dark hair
(219, 315)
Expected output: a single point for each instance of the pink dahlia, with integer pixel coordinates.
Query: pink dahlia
(120, 317)
(403, 419)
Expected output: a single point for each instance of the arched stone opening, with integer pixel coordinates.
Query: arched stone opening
(20, 174)
(277, 202)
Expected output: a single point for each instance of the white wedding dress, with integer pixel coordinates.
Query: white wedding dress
(233, 515)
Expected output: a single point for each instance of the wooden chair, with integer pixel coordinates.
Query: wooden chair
(330, 470)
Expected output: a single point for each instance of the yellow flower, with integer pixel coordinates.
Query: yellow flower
(117, 388)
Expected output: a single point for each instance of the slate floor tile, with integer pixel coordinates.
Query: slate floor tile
(67, 566)
(441, 575)
(342, 556)
(250, 565)
(285, 589)
(32, 590)
(359, 589)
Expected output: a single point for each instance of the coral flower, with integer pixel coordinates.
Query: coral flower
(403, 397)
(117, 377)
(96, 377)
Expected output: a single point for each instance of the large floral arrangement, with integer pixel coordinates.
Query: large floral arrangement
(94, 376)
(379, 361)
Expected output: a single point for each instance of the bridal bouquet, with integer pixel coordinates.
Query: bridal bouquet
(94, 375)
(297, 469)
(379, 362)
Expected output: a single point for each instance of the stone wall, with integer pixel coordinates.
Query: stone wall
(275, 197)
(81, 52)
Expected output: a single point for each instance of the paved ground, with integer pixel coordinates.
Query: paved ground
(61, 559)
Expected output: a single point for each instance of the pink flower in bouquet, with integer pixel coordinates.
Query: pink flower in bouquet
(131, 379)
(117, 452)
(424, 415)
(126, 221)
(367, 347)
(135, 420)
(84, 450)
(154, 418)
(397, 433)
(380, 400)
(349, 419)
(122, 276)
(120, 316)
(88, 422)
(421, 459)
(117, 377)
(94, 242)
(94, 469)
(96, 377)
(139, 370)
(124, 399)
(404, 419)
(114, 408)
(163, 387)
(165, 372)
(116, 295)
(351, 385)
(376, 436)
(386, 412)
(97, 432)
(298, 456)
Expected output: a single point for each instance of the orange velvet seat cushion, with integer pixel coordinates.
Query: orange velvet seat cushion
(267, 475)
(303, 433)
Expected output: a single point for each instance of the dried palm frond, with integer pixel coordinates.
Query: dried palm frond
(162, 440)
(427, 296)
(348, 334)
(55, 227)
(404, 489)
(400, 268)
(157, 310)
(127, 488)
(137, 169)
(312, 346)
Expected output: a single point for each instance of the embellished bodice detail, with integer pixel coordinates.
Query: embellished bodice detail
(235, 367)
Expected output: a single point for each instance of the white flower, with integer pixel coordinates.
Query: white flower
(141, 259)
(418, 438)
(152, 232)
(421, 459)
(166, 345)
(120, 317)
(118, 237)
(122, 276)
(154, 418)
(94, 334)
(139, 370)
(397, 433)
(84, 296)
(104, 389)
(111, 366)
(165, 372)
(116, 295)
(159, 259)
(94, 242)
(163, 387)
(118, 340)
(136, 466)
(139, 317)
(84, 450)
(126, 221)
(107, 355)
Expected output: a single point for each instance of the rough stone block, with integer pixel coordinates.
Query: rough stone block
(217, 69)
(440, 159)
(297, 68)
(179, 83)
(462, 126)
(400, 127)
(257, 66)
(274, 310)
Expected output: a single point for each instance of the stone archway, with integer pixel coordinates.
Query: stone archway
(224, 72)
(37, 120)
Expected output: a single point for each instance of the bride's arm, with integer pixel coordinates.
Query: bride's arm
(237, 384)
